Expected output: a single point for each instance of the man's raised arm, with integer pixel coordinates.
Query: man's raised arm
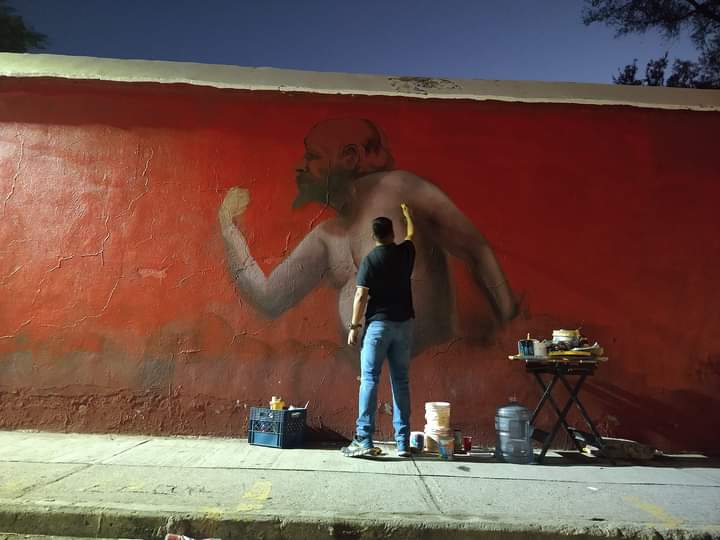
(409, 225)
(450, 229)
(291, 280)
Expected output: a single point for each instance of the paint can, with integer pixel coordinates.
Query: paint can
(525, 347)
(457, 434)
(539, 347)
(417, 440)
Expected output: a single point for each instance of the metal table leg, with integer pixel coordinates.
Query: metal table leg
(561, 416)
(547, 390)
(574, 398)
(547, 394)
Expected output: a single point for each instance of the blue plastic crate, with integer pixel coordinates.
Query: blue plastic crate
(277, 429)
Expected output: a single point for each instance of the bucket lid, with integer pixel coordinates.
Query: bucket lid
(511, 409)
(437, 405)
(430, 432)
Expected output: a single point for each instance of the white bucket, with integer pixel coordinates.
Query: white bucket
(437, 414)
(434, 436)
(431, 444)
(437, 427)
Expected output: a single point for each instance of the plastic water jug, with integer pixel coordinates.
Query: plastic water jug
(512, 424)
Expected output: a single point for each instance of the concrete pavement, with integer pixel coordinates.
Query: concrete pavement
(140, 487)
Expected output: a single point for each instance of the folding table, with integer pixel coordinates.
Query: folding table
(561, 369)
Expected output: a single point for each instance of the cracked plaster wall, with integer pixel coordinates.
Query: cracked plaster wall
(118, 314)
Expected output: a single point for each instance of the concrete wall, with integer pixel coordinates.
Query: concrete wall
(164, 266)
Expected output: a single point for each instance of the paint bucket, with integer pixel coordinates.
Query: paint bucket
(437, 426)
(433, 438)
(417, 440)
(569, 337)
(437, 414)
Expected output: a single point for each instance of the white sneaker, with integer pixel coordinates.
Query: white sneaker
(402, 453)
(360, 449)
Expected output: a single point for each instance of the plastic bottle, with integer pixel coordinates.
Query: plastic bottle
(512, 424)
(276, 403)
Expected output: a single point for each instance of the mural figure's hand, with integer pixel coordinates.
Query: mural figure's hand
(235, 203)
(405, 210)
(353, 337)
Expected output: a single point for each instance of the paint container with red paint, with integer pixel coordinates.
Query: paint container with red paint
(467, 444)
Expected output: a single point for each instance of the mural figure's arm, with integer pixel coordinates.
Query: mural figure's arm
(447, 225)
(289, 282)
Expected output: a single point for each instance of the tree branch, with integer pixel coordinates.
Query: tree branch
(704, 9)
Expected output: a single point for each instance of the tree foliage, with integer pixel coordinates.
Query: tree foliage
(701, 18)
(15, 35)
(628, 75)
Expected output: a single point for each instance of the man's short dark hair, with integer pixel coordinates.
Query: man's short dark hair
(382, 228)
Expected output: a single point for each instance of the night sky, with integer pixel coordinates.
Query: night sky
(498, 39)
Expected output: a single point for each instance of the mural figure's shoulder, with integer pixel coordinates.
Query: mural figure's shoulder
(413, 187)
(330, 229)
(403, 178)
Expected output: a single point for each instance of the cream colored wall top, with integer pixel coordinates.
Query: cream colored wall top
(223, 76)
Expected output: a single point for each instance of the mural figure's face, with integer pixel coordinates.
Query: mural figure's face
(326, 170)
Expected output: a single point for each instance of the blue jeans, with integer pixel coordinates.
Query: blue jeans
(393, 340)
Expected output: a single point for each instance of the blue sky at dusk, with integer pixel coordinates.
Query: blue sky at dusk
(500, 39)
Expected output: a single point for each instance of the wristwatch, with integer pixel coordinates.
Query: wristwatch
(354, 326)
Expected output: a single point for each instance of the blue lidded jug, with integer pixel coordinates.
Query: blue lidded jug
(512, 425)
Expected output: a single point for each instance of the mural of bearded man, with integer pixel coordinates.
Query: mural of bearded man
(348, 166)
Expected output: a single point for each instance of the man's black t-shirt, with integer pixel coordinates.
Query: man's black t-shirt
(386, 271)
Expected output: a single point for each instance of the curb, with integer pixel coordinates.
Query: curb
(116, 523)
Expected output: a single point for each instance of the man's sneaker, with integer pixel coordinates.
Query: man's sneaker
(359, 448)
(402, 452)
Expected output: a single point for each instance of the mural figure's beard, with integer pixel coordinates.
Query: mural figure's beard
(310, 189)
(331, 191)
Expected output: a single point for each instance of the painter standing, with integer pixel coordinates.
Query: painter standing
(384, 297)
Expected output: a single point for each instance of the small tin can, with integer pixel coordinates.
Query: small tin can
(457, 434)
(417, 440)
(525, 347)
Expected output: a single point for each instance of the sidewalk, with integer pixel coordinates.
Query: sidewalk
(115, 486)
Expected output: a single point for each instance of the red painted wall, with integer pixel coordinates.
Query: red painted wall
(118, 312)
